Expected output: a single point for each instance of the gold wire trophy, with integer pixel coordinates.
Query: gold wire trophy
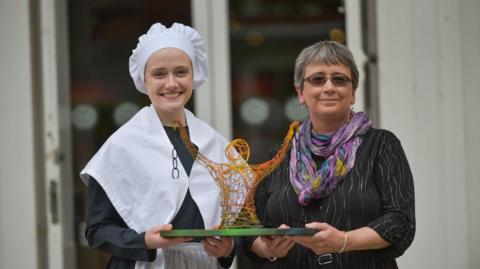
(238, 181)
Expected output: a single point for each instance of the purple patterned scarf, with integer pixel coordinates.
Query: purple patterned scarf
(338, 149)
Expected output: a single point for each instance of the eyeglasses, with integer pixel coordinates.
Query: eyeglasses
(319, 80)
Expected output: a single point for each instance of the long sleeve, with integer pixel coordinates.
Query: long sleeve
(395, 183)
(108, 232)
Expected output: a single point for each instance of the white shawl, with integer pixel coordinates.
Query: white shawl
(134, 167)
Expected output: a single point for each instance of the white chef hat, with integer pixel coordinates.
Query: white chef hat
(177, 36)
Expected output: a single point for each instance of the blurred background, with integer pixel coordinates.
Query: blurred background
(65, 88)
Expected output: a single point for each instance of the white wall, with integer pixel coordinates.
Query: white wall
(470, 47)
(427, 90)
(18, 243)
(212, 100)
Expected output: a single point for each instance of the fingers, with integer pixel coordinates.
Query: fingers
(218, 246)
(278, 246)
(283, 226)
(210, 248)
(153, 240)
(217, 241)
(317, 225)
(285, 243)
(165, 227)
(303, 240)
(324, 241)
(286, 248)
(307, 237)
(158, 229)
(267, 239)
(283, 248)
(279, 241)
(215, 250)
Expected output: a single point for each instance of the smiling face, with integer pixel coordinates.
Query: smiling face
(328, 104)
(168, 79)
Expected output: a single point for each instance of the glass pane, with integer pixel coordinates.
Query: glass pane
(102, 36)
(265, 38)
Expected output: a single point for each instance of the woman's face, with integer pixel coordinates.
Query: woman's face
(327, 92)
(168, 79)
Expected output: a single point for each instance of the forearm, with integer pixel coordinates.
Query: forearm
(363, 239)
(120, 242)
(108, 232)
(394, 181)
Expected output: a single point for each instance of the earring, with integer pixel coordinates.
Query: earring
(303, 106)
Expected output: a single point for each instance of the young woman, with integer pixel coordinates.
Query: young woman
(143, 180)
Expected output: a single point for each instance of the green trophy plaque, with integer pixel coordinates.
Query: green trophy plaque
(237, 181)
(237, 232)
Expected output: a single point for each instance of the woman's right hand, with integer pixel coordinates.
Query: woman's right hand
(273, 247)
(153, 240)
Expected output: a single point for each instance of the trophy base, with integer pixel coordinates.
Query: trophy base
(237, 232)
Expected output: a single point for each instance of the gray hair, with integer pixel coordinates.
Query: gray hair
(325, 52)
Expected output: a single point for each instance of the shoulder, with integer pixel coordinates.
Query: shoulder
(380, 135)
(379, 140)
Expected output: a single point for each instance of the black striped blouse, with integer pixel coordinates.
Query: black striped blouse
(378, 193)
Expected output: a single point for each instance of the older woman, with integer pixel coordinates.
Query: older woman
(349, 181)
(143, 180)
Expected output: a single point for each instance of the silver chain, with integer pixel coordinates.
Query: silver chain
(175, 171)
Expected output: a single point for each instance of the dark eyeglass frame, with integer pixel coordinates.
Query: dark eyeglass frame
(319, 80)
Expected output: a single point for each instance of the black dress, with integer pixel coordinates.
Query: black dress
(107, 231)
(377, 193)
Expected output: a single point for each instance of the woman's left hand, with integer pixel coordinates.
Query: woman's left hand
(327, 240)
(218, 246)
